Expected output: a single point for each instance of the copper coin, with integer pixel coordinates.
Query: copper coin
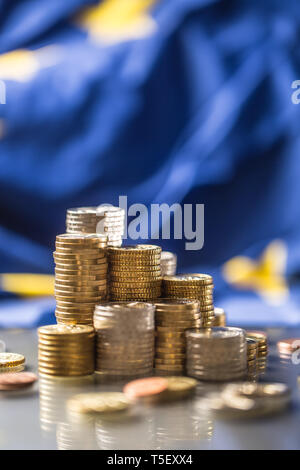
(16, 380)
(148, 387)
(289, 345)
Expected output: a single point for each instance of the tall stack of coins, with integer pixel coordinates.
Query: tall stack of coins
(107, 220)
(220, 317)
(168, 263)
(172, 318)
(135, 272)
(216, 354)
(193, 286)
(66, 350)
(80, 276)
(124, 338)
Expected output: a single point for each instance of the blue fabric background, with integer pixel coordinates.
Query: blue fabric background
(198, 112)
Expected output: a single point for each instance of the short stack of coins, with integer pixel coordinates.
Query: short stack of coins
(135, 272)
(216, 354)
(193, 286)
(262, 348)
(81, 273)
(252, 353)
(220, 317)
(107, 220)
(172, 318)
(66, 350)
(168, 263)
(124, 338)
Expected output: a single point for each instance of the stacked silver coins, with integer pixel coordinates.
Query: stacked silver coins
(168, 263)
(172, 318)
(216, 354)
(66, 350)
(220, 317)
(106, 220)
(124, 338)
(193, 286)
(80, 276)
(134, 272)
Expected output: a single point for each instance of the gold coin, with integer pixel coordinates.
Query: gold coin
(196, 278)
(105, 402)
(135, 249)
(11, 359)
(181, 384)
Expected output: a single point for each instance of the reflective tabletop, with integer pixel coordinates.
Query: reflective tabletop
(37, 418)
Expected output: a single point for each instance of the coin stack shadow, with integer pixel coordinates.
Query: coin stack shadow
(216, 354)
(168, 263)
(81, 273)
(172, 318)
(262, 341)
(192, 286)
(252, 353)
(107, 220)
(134, 272)
(220, 317)
(66, 350)
(124, 338)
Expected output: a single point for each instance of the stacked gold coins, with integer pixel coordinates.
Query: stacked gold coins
(135, 272)
(220, 317)
(107, 220)
(172, 318)
(80, 276)
(124, 338)
(193, 286)
(252, 352)
(168, 263)
(261, 338)
(216, 354)
(262, 349)
(66, 350)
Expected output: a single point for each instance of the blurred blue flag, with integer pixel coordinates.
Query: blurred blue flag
(164, 101)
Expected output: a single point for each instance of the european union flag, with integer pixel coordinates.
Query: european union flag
(165, 101)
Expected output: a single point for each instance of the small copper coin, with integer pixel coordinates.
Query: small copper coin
(143, 388)
(289, 345)
(16, 380)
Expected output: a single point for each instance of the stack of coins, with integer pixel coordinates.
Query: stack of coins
(216, 354)
(124, 338)
(252, 353)
(107, 220)
(80, 276)
(66, 350)
(135, 272)
(193, 286)
(11, 362)
(172, 318)
(220, 317)
(262, 349)
(261, 338)
(168, 263)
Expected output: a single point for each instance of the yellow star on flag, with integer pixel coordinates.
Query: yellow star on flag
(112, 21)
(264, 276)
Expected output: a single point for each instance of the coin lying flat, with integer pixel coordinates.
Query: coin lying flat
(102, 403)
(16, 381)
(11, 359)
(145, 388)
